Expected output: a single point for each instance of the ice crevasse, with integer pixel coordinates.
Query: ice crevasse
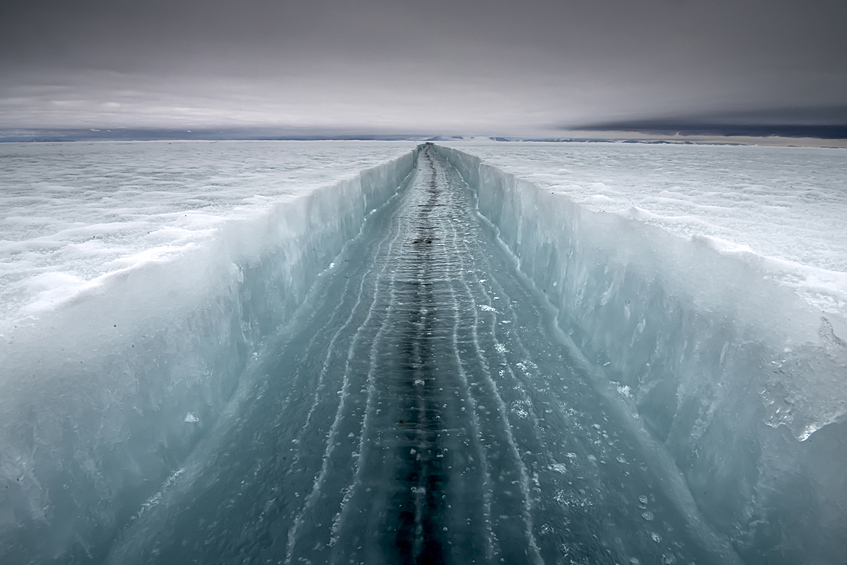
(738, 377)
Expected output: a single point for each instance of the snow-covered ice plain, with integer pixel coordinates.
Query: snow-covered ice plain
(75, 212)
(380, 353)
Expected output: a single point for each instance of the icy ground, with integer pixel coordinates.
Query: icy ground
(73, 212)
(434, 359)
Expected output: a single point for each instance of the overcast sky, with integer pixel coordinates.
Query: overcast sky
(433, 66)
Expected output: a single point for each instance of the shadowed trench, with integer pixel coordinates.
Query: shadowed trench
(418, 538)
(419, 409)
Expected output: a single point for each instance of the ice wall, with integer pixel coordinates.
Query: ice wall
(740, 377)
(103, 396)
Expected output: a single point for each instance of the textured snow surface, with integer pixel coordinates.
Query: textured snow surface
(785, 207)
(615, 353)
(73, 212)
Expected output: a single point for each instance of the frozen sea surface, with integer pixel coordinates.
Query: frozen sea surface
(382, 353)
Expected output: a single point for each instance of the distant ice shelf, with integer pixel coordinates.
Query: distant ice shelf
(131, 318)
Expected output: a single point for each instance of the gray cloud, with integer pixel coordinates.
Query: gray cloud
(439, 66)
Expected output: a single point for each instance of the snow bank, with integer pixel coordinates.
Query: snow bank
(741, 376)
(105, 392)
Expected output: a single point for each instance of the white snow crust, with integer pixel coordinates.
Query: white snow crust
(782, 208)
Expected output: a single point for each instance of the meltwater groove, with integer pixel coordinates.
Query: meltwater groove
(420, 410)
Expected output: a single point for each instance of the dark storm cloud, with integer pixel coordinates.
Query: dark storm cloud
(438, 65)
(822, 122)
